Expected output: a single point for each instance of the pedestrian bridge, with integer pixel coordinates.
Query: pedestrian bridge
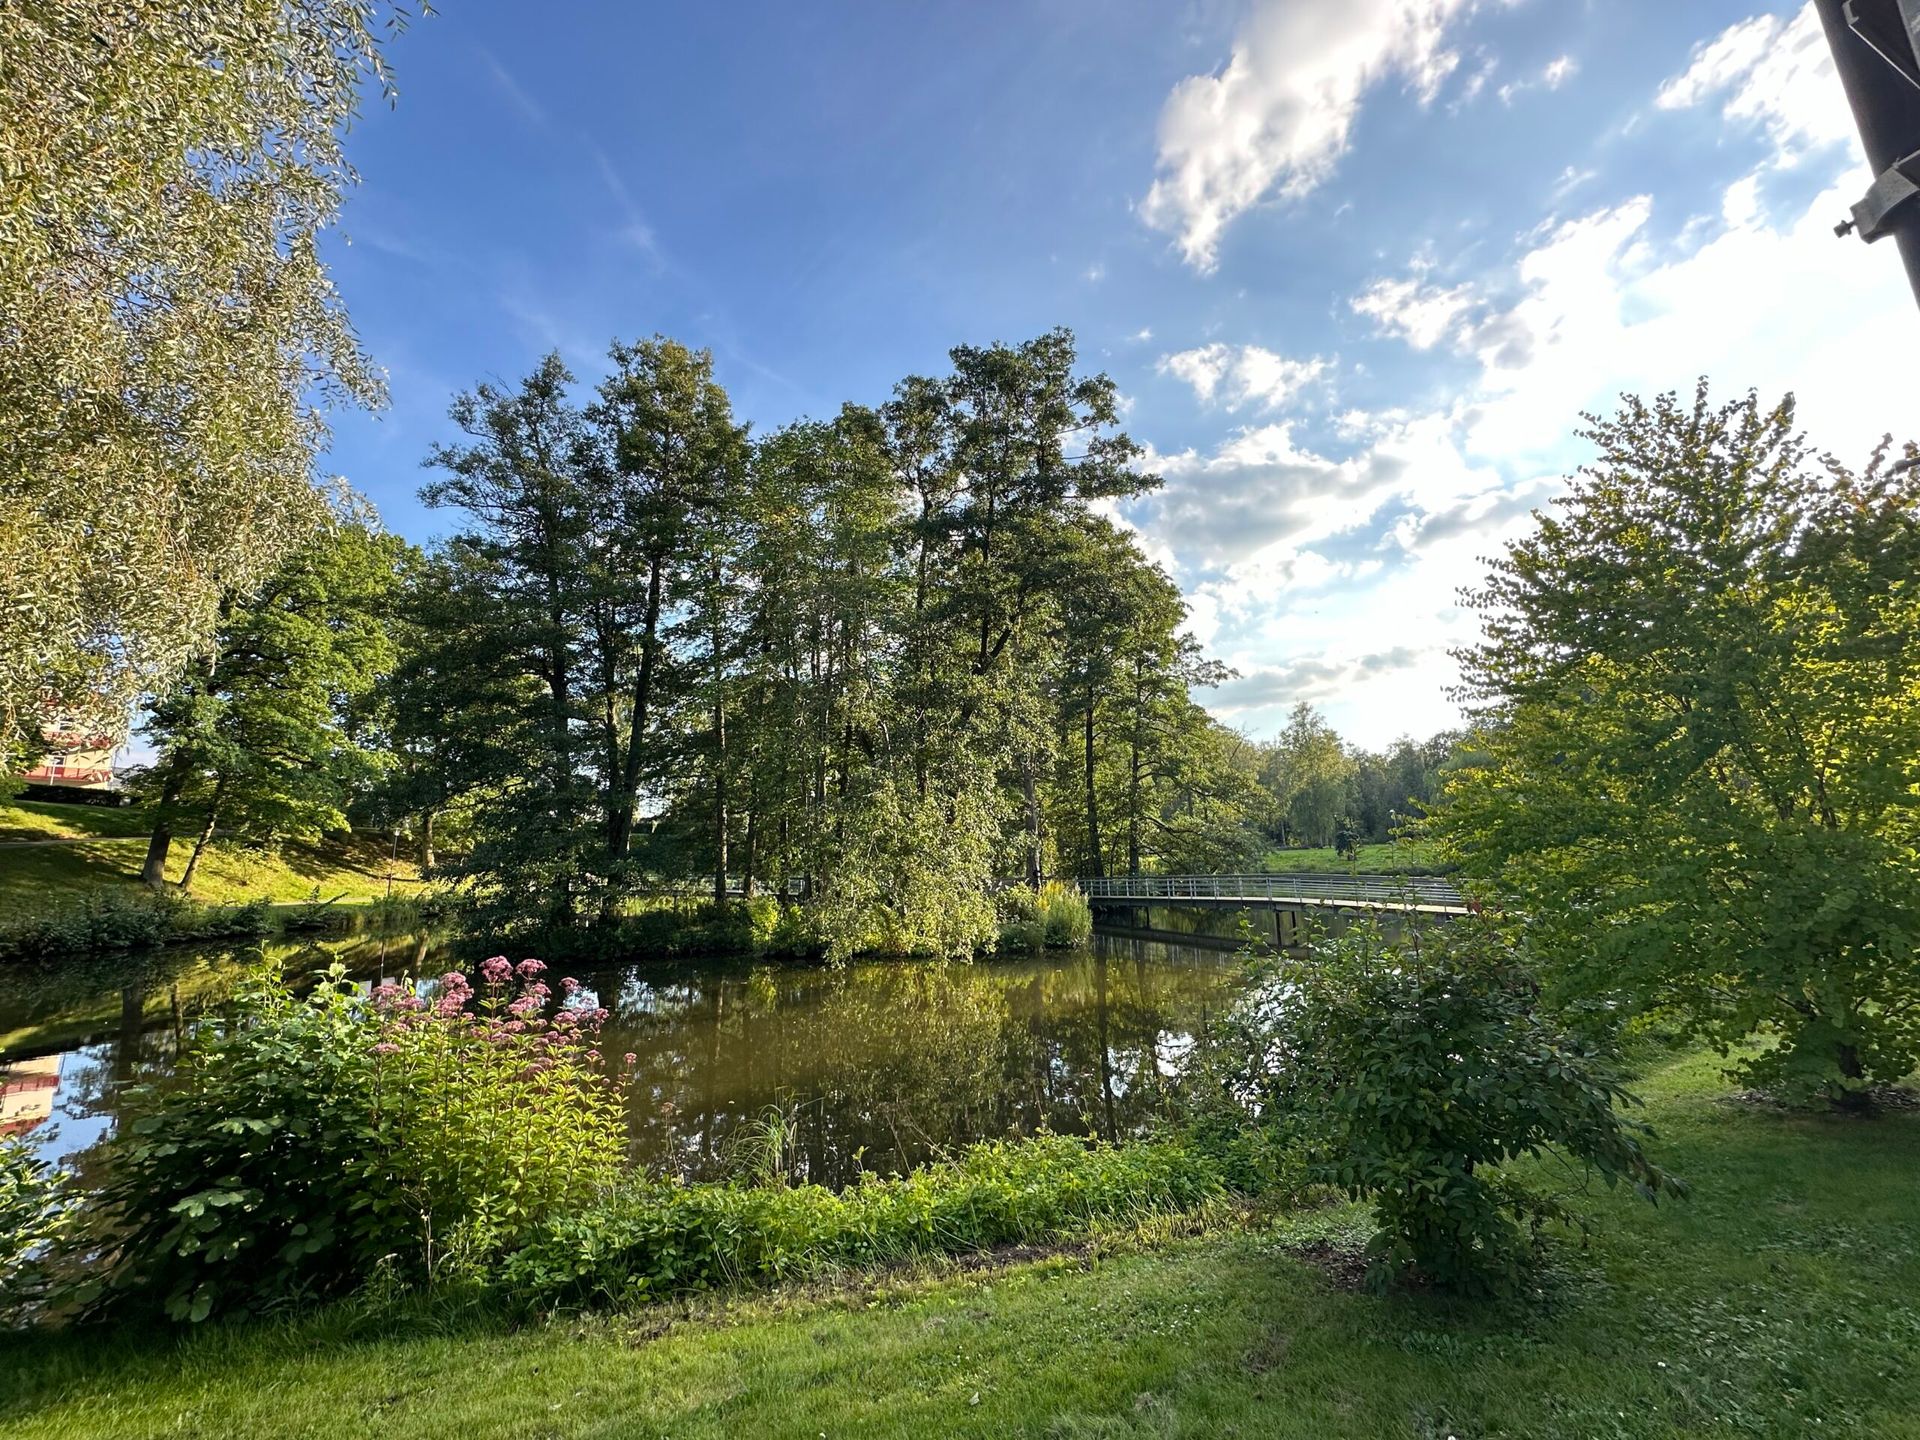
(1417, 894)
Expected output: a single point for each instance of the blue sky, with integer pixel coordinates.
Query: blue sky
(1356, 267)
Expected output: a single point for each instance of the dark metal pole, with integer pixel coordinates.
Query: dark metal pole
(1886, 108)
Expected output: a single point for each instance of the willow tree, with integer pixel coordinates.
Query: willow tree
(166, 323)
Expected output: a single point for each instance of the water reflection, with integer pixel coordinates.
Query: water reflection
(880, 1066)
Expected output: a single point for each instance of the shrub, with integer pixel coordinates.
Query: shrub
(35, 1214)
(653, 1239)
(1054, 916)
(1410, 1073)
(111, 920)
(312, 1140)
(1065, 913)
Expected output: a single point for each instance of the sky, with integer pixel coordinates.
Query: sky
(1356, 266)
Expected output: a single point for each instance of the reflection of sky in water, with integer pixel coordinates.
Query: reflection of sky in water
(880, 1065)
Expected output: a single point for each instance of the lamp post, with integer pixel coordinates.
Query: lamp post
(1876, 50)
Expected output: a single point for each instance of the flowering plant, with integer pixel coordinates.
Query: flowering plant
(314, 1139)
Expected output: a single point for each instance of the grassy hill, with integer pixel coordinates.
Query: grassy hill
(99, 851)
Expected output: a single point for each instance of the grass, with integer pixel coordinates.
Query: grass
(1404, 857)
(38, 879)
(38, 820)
(1780, 1301)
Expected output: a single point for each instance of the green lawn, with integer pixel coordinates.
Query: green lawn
(37, 820)
(1783, 1300)
(1403, 857)
(35, 879)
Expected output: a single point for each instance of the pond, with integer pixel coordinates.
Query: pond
(880, 1065)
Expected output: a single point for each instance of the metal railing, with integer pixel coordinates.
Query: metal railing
(1391, 892)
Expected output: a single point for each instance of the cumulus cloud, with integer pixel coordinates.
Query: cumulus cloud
(1309, 678)
(1241, 375)
(1420, 313)
(1277, 118)
(1770, 72)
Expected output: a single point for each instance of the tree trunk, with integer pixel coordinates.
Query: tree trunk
(627, 793)
(426, 842)
(1034, 866)
(153, 871)
(206, 834)
(721, 818)
(1093, 799)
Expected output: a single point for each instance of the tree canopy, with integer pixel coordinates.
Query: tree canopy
(168, 333)
(1696, 772)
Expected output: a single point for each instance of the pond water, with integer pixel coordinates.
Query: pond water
(880, 1065)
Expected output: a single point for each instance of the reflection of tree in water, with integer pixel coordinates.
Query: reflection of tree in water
(883, 1064)
(886, 1064)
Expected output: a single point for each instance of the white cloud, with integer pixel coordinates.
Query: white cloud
(1551, 76)
(1771, 72)
(1240, 375)
(1421, 314)
(1277, 118)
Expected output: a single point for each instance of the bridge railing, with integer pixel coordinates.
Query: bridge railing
(1387, 891)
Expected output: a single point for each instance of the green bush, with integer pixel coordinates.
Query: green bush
(112, 920)
(1410, 1073)
(36, 1212)
(311, 1141)
(1065, 913)
(652, 1239)
(1055, 916)
(1021, 937)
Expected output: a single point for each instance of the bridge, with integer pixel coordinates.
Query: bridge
(1404, 894)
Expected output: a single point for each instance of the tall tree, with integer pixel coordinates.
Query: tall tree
(1699, 745)
(168, 324)
(264, 744)
(1307, 772)
(524, 478)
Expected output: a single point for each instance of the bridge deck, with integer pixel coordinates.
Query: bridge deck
(1423, 893)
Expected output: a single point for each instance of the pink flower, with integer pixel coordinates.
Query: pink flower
(529, 968)
(454, 980)
(569, 985)
(594, 1056)
(630, 1058)
(386, 1047)
(496, 969)
(524, 1006)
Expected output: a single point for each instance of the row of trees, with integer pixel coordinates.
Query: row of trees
(1318, 787)
(879, 661)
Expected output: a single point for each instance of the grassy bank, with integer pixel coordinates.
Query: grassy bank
(1396, 858)
(105, 856)
(1777, 1302)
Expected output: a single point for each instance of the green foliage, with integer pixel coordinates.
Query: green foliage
(1696, 757)
(115, 920)
(1055, 916)
(646, 1240)
(1410, 1073)
(37, 1212)
(266, 744)
(169, 323)
(313, 1140)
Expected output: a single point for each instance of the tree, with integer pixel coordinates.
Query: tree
(1699, 738)
(168, 324)
(1307, 772)
(263, 744)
